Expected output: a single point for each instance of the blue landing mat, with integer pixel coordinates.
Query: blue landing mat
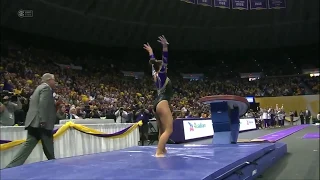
(182, 162)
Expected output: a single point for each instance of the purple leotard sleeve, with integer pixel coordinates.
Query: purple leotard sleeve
(153, 72)
(162, 75)
(165, 57)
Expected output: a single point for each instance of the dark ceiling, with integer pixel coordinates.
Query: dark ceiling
(130, 23)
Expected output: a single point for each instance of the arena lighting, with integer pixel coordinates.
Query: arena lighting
(314, 72)
(315, 75)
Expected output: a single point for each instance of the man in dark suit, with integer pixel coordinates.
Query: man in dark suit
(301, 115)
(39, 122)
(307, 116)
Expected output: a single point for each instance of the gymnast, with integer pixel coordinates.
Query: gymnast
(165, 92)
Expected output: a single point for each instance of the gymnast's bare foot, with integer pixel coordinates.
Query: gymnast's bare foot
(159, 155)
(165, 151)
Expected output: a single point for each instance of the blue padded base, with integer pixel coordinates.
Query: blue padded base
(253, 170)
(182, 162)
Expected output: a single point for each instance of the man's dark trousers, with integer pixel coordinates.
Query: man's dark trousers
(34, 135)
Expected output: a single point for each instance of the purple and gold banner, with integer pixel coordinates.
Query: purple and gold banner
(189, 1)
(258, 4)
(277, 4)
(205, 2)
(7, 144)
(240, 4)
(222, 4)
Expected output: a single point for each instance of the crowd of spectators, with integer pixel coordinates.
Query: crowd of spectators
(313, 84)
(101, 90)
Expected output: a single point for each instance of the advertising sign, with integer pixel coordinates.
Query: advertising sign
(221, 3)
(258, 4)
(240, 4)
(197, 129)
(277, 4)
(247, 124)
(189, 1)
(194, 129)
(205, 2)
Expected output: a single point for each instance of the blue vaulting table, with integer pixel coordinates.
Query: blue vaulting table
(225, 113)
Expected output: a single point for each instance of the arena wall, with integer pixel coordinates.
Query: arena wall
(292, 103)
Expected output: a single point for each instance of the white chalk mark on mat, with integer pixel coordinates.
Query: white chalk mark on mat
(133, 151)
(193, 156)
(195, 145)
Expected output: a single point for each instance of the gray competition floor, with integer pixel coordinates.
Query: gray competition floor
(301, 162)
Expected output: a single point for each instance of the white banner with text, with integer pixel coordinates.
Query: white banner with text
(194, 129)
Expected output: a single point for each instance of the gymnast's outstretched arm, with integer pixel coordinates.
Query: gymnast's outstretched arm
(151, 56)
(165, 44)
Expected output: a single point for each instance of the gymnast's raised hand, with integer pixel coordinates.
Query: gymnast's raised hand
(148, 48)
(163, 40)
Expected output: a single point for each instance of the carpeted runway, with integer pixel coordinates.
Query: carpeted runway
(302, 160)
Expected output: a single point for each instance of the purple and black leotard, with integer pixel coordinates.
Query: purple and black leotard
(163, 83)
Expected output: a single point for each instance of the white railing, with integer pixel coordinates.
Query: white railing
(71, 143)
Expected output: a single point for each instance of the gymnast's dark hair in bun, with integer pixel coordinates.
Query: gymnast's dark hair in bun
(157, 64)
